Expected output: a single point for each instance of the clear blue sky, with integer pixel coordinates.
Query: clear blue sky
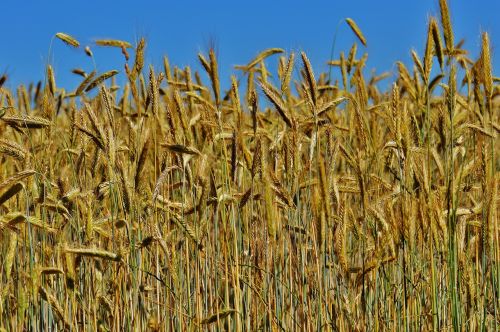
(240, 29)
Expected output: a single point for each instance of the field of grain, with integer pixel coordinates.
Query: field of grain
(293, 201)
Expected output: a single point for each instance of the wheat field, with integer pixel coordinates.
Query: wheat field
(293, 201)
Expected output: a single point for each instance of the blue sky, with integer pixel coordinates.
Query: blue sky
(240, 30)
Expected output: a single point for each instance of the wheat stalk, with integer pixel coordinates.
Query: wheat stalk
(357, 31)
(69, 40)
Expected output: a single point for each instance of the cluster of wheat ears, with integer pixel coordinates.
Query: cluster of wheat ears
(168, 204)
